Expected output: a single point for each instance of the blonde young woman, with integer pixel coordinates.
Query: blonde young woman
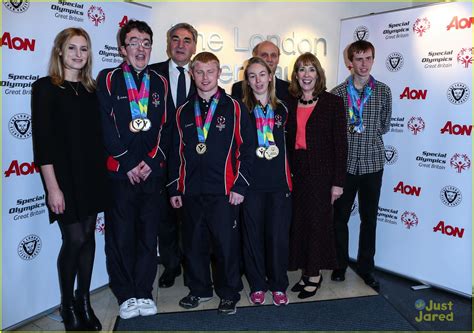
(267, 206)
(68, 150)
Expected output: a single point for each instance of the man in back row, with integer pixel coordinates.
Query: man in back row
(181, 41)
(271, 54)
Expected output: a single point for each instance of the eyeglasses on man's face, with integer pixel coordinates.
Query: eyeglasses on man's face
(135, 43)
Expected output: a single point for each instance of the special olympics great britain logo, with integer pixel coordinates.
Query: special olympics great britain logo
(96, 15)
(421, 26)
(409, 219)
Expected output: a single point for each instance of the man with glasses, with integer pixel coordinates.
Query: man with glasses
(181, 45)
(136, 130)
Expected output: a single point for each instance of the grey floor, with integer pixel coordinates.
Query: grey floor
(106, 307)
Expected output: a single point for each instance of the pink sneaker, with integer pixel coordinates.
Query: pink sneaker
(280, 298)
(257, 297)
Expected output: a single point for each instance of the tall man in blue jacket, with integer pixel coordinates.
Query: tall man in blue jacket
(213, 152)
(136, 131)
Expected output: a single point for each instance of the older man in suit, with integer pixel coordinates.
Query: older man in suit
(181, 45)
(271, 54)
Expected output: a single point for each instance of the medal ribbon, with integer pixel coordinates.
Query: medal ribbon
(202, 131)
(356, 103)
(138, 100)
(265, 123)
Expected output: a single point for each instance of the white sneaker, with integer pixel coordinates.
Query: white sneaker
(129, 309)
(146, 307)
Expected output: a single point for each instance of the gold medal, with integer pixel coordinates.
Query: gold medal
(146, 124)
(271, 152)
(260, 152)
(201, 148)
(351, 129)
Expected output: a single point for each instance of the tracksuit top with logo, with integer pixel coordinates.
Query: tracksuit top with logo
(127, 149)
(226, 164)
(273, 175)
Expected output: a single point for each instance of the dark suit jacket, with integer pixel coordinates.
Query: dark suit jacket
(163, 69)
(326, 138)
(281, 89)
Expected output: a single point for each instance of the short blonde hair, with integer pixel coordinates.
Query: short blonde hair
(56, 65)
(204, 57)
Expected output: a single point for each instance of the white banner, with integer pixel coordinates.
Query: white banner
(30, 244)
(425, 215)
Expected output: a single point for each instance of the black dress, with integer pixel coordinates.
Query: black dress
(67, 134)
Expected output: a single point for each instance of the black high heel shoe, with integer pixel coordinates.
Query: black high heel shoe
(71, 319)
(86, 314)
(306, 294)
(298, 287)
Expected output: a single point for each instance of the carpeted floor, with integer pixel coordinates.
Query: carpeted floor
(351, 314)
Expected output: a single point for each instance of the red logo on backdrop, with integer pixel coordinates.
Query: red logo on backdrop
(421, 26)
(407, 189)
(413, 94)
(124, 21)
(409, 219)
(18, 43)
(446, 229)
(463, 23)
(96, 15)
(416, 125)
(21, 169)
(465, 56)
(456, 129)
(460, 162)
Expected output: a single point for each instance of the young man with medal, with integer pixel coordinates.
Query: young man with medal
(213, 152)
(369, 108)
(267, 207)
(137, 134)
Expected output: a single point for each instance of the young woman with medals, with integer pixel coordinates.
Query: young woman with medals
(317, 146)
(67, 148)
(267, 207)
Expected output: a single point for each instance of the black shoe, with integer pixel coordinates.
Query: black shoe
(190, 301)
(86, 314)
(167, 278)
(227, 307)
(298, 286)
(370, 280)
(306, 294)
(338, 275)
(71, 319)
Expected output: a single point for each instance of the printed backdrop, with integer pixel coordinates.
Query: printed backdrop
(30, 245)
(425, 214)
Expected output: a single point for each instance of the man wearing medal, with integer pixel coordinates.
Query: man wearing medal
(369, 108)
(209, 170)
(137, 133)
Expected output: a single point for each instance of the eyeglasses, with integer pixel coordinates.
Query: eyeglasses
(135, 43)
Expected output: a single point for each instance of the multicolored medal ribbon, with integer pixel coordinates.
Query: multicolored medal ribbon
(265, 122)
(202, 131)
(356, 104)
(138, 100)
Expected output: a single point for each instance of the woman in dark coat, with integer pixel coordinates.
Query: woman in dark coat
(317, 146)
(68, 150)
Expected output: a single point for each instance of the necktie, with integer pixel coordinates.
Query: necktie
(181, 92)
